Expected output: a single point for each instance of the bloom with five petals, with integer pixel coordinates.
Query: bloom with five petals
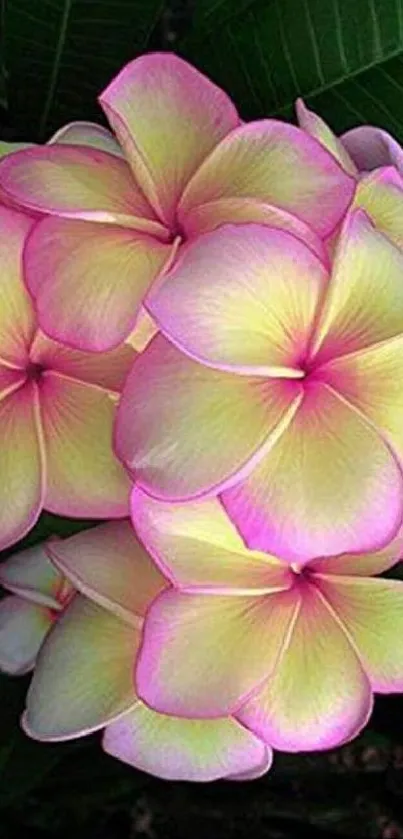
(111, 218)
(84, 678)
(294, 653)
(276, 384)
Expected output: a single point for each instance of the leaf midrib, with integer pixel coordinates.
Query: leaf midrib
(68, 4)
(330, 85)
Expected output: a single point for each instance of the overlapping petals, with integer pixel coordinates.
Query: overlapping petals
(112, 221)
(57, 409)
(359, 150)
(39, 594)
(71, 696)
(294, 653)
(279, 388)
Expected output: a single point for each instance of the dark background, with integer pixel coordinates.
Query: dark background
(346, 58)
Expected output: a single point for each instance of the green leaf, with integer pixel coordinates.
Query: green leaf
(345, 57)
(60, 54)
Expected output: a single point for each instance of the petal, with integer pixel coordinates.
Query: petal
(183, 429)
(17, 321)
(106, 369)
(183, 750)
(317, 127)
(167, 116)
(278, 164)
(84, 479)
(32, 575)
(381, 196)
(72, 180)
(202, 656)
(364, 304)
(329, 485)
(109, 565)
(23, 627)
(242, 298)
(143, 332)
(319, 695)
(362, 565)
(207, 217)
(9, 148)
(371, 381)
(372, 613)
(89, 279)
(257, 771)
(197, 546)
(371, 147)
(87, 134)
(21, 465)
(84, 674)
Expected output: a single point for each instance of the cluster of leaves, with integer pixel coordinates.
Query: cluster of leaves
(345, 57)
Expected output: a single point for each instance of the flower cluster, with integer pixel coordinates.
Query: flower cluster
(201, 337)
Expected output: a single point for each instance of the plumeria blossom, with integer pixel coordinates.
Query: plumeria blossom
(57, 408)
(359, 150)
(293, 652)
(110, 219)
(84, 678)
(39, 593)
(276, 385)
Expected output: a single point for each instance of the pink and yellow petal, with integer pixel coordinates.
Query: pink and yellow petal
(233, 644)
(21, 465)
(242, 298)
(32, 575)
(9, 148)
(371, 610)
(84, 479)
(87, 134)
(207, 217)
(371, 148)
(198, 548)
(329, 485)
(364, 304)
(184, 750)
(370, 380)
(381, 196)
(184, 430)
(108, 369)
(17, 322)
(72, 180)
(143, 332)
(319, 696)
(84, 674)
(362, 564)
(317, 127)
(278, 164)
(23, 627)
(167, 117)
(109, 565)
(88, 279)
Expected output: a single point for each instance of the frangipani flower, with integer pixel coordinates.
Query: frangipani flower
(294, 653)
(279, 387)
(57, 408)
(111, 223)
(358, 150)
(84, 678)
(39, 594)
